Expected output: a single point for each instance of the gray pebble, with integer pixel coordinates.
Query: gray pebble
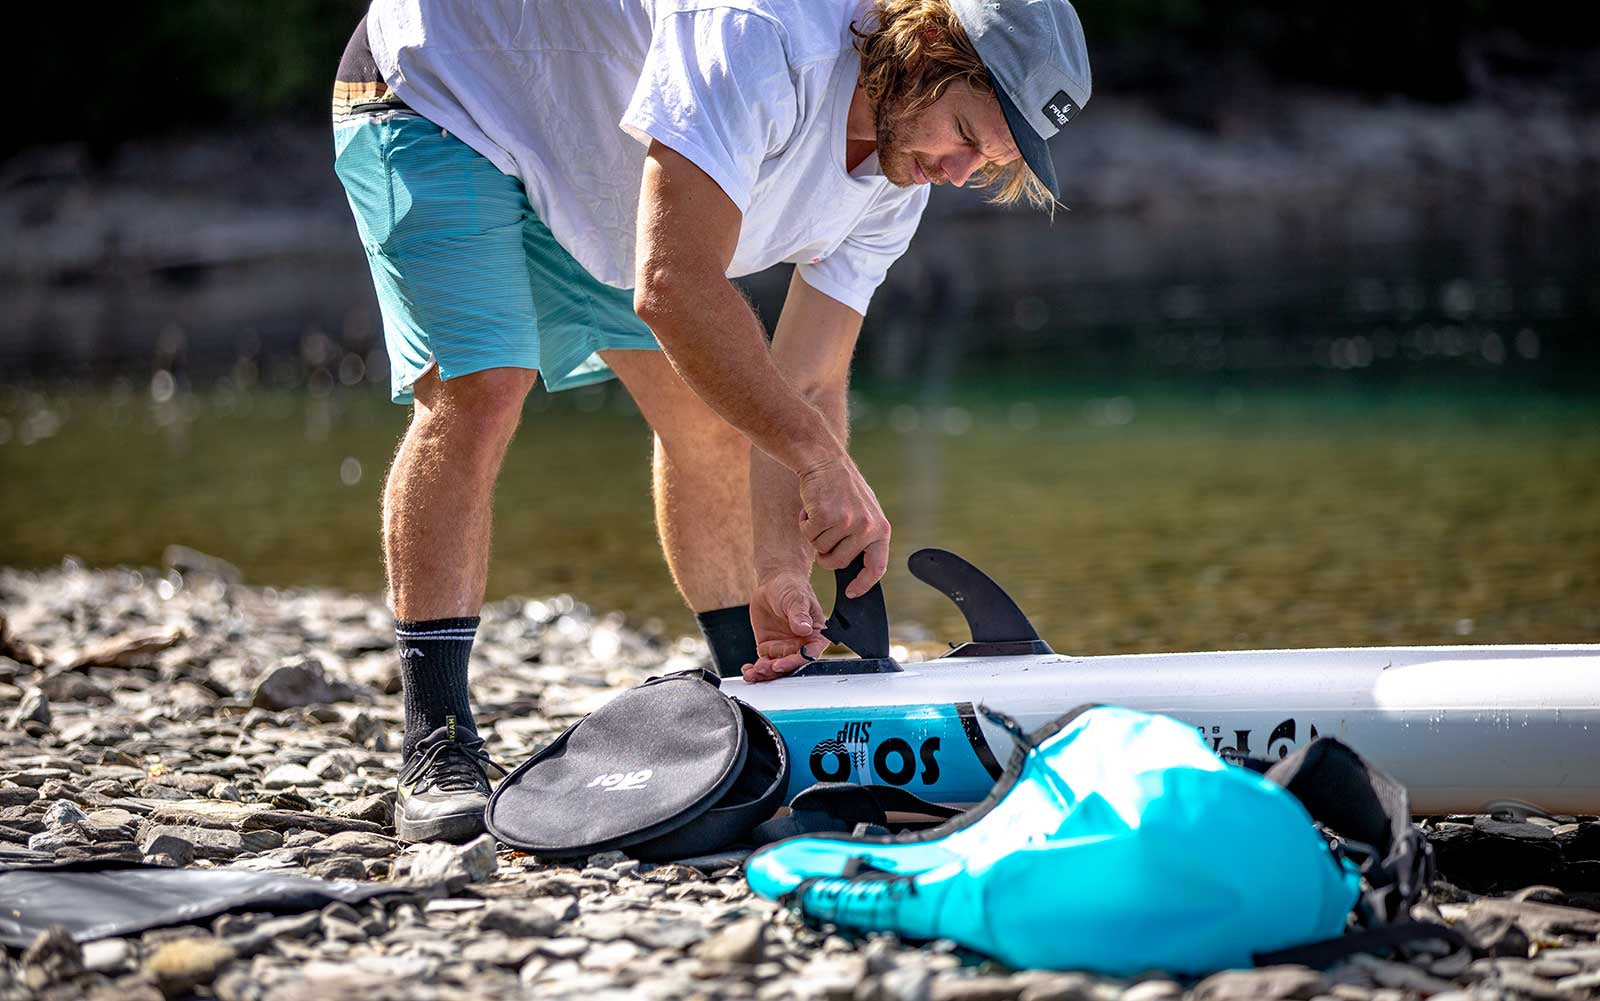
(740, 942)
(63, 812)
(107, 955)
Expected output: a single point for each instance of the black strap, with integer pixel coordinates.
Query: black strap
(844, 807)
(1365, 807)
(1328, 951)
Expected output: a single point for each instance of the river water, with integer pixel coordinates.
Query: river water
(1230, 430)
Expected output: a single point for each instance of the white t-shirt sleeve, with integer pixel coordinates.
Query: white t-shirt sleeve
(855, 270)
(716, 89)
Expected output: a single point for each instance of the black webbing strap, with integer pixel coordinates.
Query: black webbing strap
(1325, 953)
(842, 808)
(1366, 807)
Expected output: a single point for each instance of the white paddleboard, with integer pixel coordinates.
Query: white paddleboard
(1467, 729)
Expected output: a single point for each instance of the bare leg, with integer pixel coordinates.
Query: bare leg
(701, 480)
(437, 501)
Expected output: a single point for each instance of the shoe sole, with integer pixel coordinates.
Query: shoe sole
(456, 828)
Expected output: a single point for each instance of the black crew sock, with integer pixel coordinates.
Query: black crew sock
(433, 675)
(733, 642)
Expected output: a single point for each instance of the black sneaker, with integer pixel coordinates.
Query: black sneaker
(444, 787)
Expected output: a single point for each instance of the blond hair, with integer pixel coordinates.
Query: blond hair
(910, 53)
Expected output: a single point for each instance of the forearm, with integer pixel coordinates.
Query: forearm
(811, 347)
(688, 231)
(713, 338)
(780, 545)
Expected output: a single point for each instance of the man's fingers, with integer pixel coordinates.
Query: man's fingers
(838, 558)
(768, 668)
(828, 540)
(797, 610)
(876, 564)
(773, 649)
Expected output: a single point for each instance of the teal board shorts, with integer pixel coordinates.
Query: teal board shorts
(468, 276)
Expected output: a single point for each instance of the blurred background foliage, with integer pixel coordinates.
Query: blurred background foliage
(144, 68)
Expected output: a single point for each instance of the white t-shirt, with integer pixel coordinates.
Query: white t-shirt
(565, 94)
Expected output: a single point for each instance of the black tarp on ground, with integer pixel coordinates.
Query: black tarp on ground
(98, 900)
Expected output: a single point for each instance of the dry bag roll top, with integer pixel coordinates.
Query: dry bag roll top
(668, 770)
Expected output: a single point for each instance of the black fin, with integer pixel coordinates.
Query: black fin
(997, 624)
(862, 624)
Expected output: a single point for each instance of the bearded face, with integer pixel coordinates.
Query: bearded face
(898, 163)
(947, 141)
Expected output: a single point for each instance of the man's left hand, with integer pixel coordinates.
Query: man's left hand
(787, 619)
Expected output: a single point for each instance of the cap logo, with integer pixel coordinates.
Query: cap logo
(1060, 108)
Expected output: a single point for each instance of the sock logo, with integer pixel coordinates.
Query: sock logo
(407, 652)
(618, 781)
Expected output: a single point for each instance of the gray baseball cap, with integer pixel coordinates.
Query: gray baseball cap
(1036, 56)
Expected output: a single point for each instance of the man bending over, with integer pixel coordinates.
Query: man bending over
(566, 187)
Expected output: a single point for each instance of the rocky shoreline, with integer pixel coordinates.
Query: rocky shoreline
(178, 717)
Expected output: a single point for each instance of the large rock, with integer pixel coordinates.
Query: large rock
(440, 866)
(376, 809)
(212, 843)
(283, 820)
(301, 682)
(359, 843)
(33, 709)
(63, 812)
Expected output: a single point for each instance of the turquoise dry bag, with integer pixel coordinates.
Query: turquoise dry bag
(1115, 841)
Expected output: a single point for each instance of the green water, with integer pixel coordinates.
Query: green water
(1151, 517)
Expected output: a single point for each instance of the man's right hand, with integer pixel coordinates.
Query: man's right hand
(787, 619)
(842, 519)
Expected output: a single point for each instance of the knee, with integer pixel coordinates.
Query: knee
(483, 406)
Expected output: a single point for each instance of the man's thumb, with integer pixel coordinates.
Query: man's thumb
(798, 611)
